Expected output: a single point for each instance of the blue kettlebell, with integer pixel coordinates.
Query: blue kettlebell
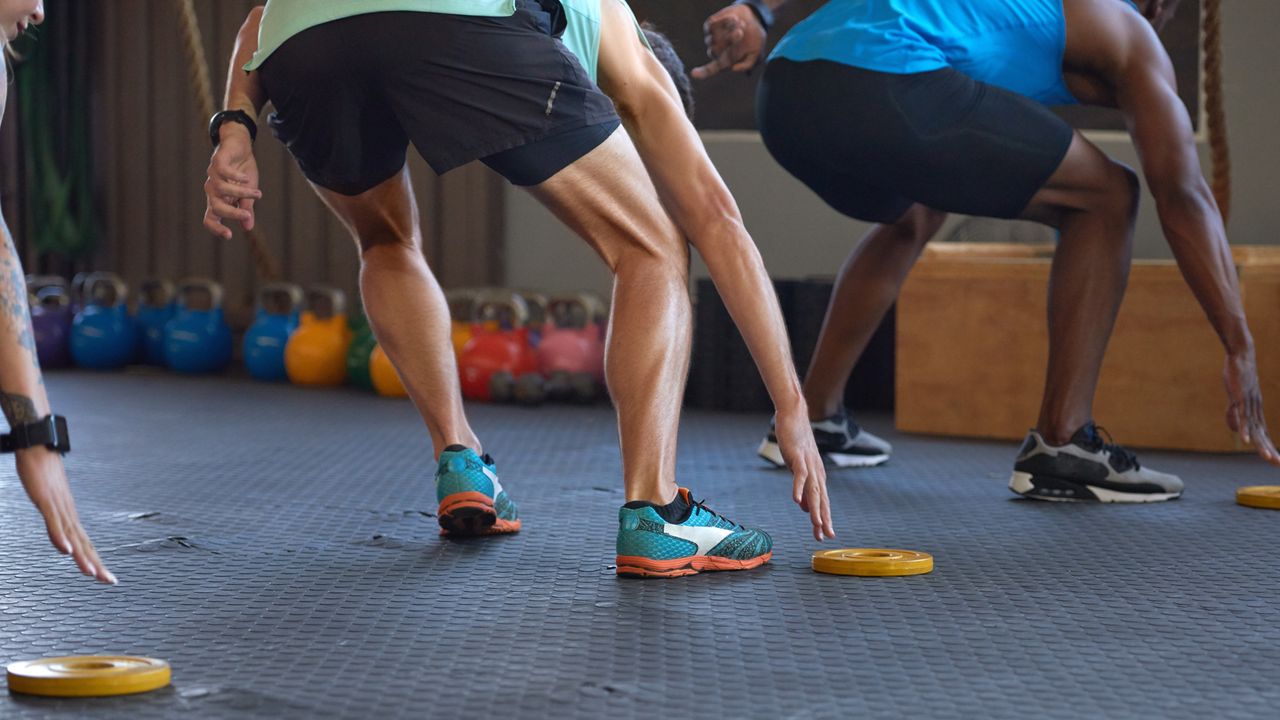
(155, 310)
(102, 333)
(197, 339)
(279, 305)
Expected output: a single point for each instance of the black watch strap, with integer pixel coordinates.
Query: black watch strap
(50, 432)
(763, 13)
(225, 116)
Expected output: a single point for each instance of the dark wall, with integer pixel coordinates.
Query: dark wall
(151, 150)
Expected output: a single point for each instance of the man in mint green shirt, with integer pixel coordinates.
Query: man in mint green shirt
(507, 96)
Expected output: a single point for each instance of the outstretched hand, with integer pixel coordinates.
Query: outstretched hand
(735, 41)
(1244, 413)
(232, 186)
(45, 481)
(800, 452)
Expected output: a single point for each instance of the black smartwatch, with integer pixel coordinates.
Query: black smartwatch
(225, 116)
(762, 11)
(50, 432)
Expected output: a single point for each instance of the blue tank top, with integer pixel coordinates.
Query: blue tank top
(1013, 44)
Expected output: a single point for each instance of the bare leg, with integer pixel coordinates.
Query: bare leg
(406, 307)
(1092, 201)
(866, 288)
(608, 199)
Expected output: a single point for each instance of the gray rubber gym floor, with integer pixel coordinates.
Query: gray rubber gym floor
(277, 546)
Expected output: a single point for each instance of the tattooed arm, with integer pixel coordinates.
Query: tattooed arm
(23, 400)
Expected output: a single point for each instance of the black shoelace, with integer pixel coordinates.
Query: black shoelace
(702, 505)
(1121, 459)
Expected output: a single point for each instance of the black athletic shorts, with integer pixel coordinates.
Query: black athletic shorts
(351, 94)
(872, 144)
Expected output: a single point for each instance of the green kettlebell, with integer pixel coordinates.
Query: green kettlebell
(362, 345)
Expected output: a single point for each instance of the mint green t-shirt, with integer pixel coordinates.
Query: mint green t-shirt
(582, 31)
(283, 19)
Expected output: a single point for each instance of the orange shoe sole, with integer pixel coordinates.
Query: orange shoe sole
(632, 566)
(472, 513)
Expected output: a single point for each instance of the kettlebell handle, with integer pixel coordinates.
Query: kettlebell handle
(501, 300)
(161, 288)
(595, 306)
(337, 299)
(590, 305)
(213, 287)
(95, 280)
(53, 296)
(36, 283)
(539, 308)
(281, 289)
(462, 303)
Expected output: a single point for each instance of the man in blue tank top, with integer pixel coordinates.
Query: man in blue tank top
(898, 112)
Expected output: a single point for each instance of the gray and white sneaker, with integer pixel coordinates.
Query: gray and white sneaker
(841, 442)
(1087, 468)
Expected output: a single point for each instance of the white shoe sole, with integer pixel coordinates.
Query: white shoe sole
(772, 453)
(1021, 484)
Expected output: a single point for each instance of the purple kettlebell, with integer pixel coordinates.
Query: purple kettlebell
(51, 324)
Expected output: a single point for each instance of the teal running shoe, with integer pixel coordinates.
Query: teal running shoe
(650, 546)
(472, 501)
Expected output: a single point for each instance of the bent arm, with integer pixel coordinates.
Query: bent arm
(1162, 132)
(697, 198)
(244, 89)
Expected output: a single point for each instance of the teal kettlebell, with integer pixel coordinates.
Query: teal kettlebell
(197, 339)
(279, 305)
(102, 333)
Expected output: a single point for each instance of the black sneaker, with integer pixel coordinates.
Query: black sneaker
(840, 441)
(1087, 468)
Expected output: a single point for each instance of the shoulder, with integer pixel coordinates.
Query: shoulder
(1109, 39)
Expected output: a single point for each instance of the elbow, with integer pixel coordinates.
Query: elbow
(630, 111)
(1192, 196)
(717, 230)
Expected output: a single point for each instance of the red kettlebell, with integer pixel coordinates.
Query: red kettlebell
(573, 345)
(499, 343)
(539, 315)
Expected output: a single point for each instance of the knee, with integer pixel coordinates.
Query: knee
(665, 254)
(1122, 191)
(386, 242)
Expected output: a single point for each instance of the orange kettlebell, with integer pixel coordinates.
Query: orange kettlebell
(500, 343)
(461, 308)
(385, 378)
(316, 353)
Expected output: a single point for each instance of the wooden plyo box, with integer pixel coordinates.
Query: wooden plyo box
(972, 346)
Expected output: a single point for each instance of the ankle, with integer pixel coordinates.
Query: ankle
(655, 494)
(1058, 434)
(458, 445)
(1057, 426)
(821, 408)
(675, 511)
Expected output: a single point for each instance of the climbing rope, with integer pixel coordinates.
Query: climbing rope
(1215, 106)
(198, 68)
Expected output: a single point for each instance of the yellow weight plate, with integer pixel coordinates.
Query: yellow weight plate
(1260, 496)
(88, 675)
(872, 562)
